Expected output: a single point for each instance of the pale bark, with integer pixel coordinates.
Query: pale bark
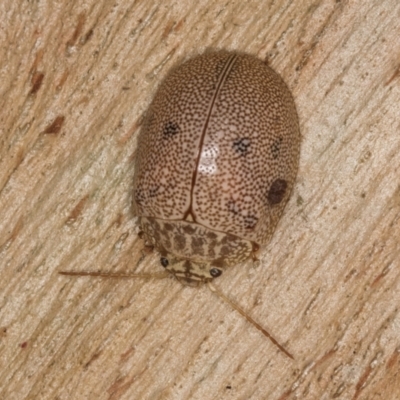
(75, 80)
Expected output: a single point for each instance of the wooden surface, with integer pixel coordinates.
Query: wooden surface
(75, 81)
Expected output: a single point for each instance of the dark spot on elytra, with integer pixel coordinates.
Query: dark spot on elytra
(170, 129)
(276, 147)
(277, 191)
(250, 222)
(242, 146)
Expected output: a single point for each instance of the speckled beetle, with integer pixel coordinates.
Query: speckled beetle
(217, 158)
(216, 162)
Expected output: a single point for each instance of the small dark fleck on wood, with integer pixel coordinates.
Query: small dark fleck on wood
(55, 126)
(36, 81)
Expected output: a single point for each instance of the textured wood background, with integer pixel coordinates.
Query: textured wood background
(75, 80)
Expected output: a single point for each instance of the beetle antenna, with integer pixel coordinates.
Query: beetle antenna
(155, 275)
(251, 320)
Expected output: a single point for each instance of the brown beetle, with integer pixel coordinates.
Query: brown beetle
(217, 158)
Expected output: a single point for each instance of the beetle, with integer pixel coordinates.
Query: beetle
(217, 158)
(216, 161)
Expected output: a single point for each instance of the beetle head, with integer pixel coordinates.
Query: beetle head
(189, 272)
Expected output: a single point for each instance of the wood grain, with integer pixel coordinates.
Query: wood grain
(75, 81)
